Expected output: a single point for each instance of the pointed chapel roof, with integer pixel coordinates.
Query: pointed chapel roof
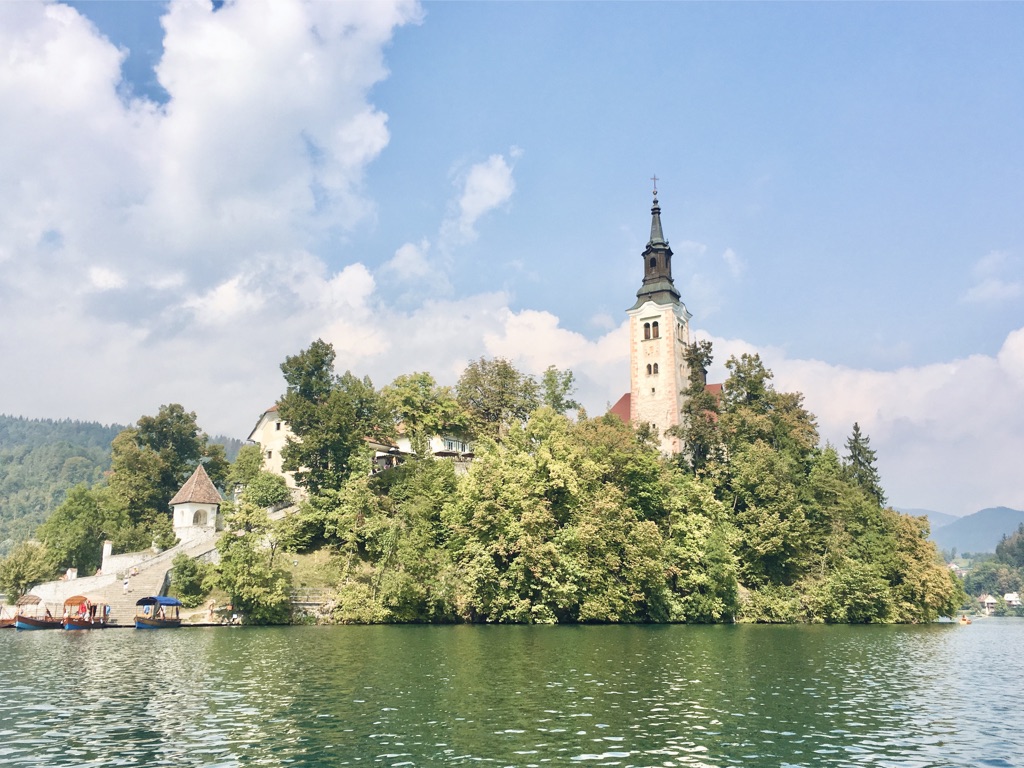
(198, 489)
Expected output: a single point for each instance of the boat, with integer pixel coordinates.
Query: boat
(81, 612)
(32, 613)
(156, 612)
(964, 619)
(6, 622)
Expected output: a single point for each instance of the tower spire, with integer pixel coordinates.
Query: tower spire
(657, 285)
(657, 236)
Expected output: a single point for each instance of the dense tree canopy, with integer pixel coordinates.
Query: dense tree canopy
(557, 519)
(495, 397)
(330, 417)
(582, 520)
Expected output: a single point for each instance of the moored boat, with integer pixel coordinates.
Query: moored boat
(32, 613)
(157, 612)
(81, 612)
(6, 622)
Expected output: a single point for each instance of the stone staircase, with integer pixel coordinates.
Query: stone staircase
(149, 580)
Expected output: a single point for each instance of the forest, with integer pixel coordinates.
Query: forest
(559, 518)
(40, 459)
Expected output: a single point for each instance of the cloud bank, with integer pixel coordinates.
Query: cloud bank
(176, 253)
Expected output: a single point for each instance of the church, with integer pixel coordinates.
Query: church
(659, 334)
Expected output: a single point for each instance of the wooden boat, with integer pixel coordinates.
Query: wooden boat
(964, 619)
(32, 613)
(157, 612)
(6, 622)
(81, 612)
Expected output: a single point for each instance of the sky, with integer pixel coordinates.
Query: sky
(191, 193)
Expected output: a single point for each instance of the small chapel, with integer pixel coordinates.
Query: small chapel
(659, 333)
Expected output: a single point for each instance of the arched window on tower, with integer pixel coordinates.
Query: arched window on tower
(647, 330)
(648, 369)
(654, 329)
(654, 262)
(199, 518)
(655, 368)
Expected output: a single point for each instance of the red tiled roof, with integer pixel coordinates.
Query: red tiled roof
(622, 407)
(199, 489)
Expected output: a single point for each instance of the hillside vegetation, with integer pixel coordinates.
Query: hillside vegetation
(559, 517)
(40, 460)
(564, 519)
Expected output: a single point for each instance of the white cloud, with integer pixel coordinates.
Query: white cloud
(997, 279)
(949, 436)
(484, 187)
(992, 289)
(735, 264)
(174, 250)
(103, 279)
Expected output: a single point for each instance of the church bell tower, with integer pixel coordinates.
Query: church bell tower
(659, 333)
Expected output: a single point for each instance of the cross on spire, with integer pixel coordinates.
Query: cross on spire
(655, 180)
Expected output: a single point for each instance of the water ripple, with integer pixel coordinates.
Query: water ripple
(515, 696)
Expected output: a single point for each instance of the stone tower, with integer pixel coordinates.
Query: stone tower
(659, 332)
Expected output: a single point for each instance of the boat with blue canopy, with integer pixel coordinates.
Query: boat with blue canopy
(158, 612)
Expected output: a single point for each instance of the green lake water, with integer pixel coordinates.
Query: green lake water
(939, 695)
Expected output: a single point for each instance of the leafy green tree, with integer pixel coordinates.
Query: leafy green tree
(855, 593)
(772, 546)
(191, 580)
(860, 465)
(74, 533)
(994, 578)
(151, 461)
(330, 417)
(557, 389)
(266, 490)
(423, 409)
(699, 558)
(258, 588)
(699, 427)
(246, 466)
(923, 588)
(495, 396)
(28, 564)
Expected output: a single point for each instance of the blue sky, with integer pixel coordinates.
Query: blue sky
(192, 195)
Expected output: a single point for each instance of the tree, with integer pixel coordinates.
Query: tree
(557, 390)
(330, 417)
(191, 580)
(28, 564)
(246, 466)
(152, 460)
(699, 427)
(74, 533)
(266, 490)
(1010, 549)
(422, 409)
(495, 396)
(247, 572)
(860, 465)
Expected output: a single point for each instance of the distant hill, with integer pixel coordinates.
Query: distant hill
(935, 519)
(979, 532)
(40, 459)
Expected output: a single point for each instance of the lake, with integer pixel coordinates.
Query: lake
(938, 695)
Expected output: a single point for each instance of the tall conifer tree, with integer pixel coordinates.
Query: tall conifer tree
(860, 465)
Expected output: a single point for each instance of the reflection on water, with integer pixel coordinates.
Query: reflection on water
(938, 695)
